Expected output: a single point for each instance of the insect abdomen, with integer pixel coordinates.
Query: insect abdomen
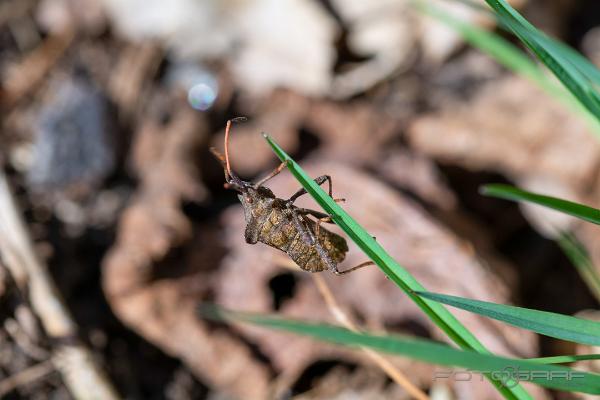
(279, 231)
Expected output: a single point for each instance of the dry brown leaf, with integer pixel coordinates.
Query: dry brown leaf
(158, 309)
(285, 44)
(543, 147)
(136, 64)
(358, 133)
(384, 32)
(269, 44)
(513, 128)
(390, 33)
(153, 222)
(418, 174)
(354, 132)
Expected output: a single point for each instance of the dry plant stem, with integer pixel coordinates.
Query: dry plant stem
(23, 77)
(26, 376)
(138, 63)
(15, 331)
(377, 358)
(80, 374)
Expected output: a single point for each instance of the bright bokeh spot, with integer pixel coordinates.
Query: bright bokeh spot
(202, 96)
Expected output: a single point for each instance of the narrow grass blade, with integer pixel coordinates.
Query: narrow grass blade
(516, 60)
(438, 313)
(585, 66)
(575, 251)
(546, 323)
(508, 192)
(573, 79)
(564, 359)
(505, 369)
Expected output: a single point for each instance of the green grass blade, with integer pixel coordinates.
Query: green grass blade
(550, 376)
(579, 257)
(438, 313)
(564, 359)
(546, 323)
(573, 79)
(585, 66)
(508, 192)
(513, 58)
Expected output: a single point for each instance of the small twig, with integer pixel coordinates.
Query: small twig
(81, 375)
(137, 64)
(377, 358)
(15, 331)
(20, 79)
(26, 376)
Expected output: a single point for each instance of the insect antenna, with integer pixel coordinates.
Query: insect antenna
(227, 163)
(232, 180)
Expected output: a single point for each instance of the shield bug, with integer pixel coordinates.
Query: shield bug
(280, 224)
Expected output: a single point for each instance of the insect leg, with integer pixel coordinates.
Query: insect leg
(338, 272)
(221, 159)
(320, 180)
(322, 217)
(321, 220)
(331, 265)
(271, 175)
(314, 213)
(307, 234)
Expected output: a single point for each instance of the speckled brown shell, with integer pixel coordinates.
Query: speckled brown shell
(276, 228)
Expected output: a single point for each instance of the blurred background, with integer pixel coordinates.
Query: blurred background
(109, 107)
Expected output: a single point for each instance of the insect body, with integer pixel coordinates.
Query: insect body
(280, 224)
(277, 223)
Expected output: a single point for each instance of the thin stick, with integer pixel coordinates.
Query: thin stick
(381, 361)
(81, 375)
(26, 376)
(22, 78)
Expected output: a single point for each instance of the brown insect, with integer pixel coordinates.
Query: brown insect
(280, 224)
